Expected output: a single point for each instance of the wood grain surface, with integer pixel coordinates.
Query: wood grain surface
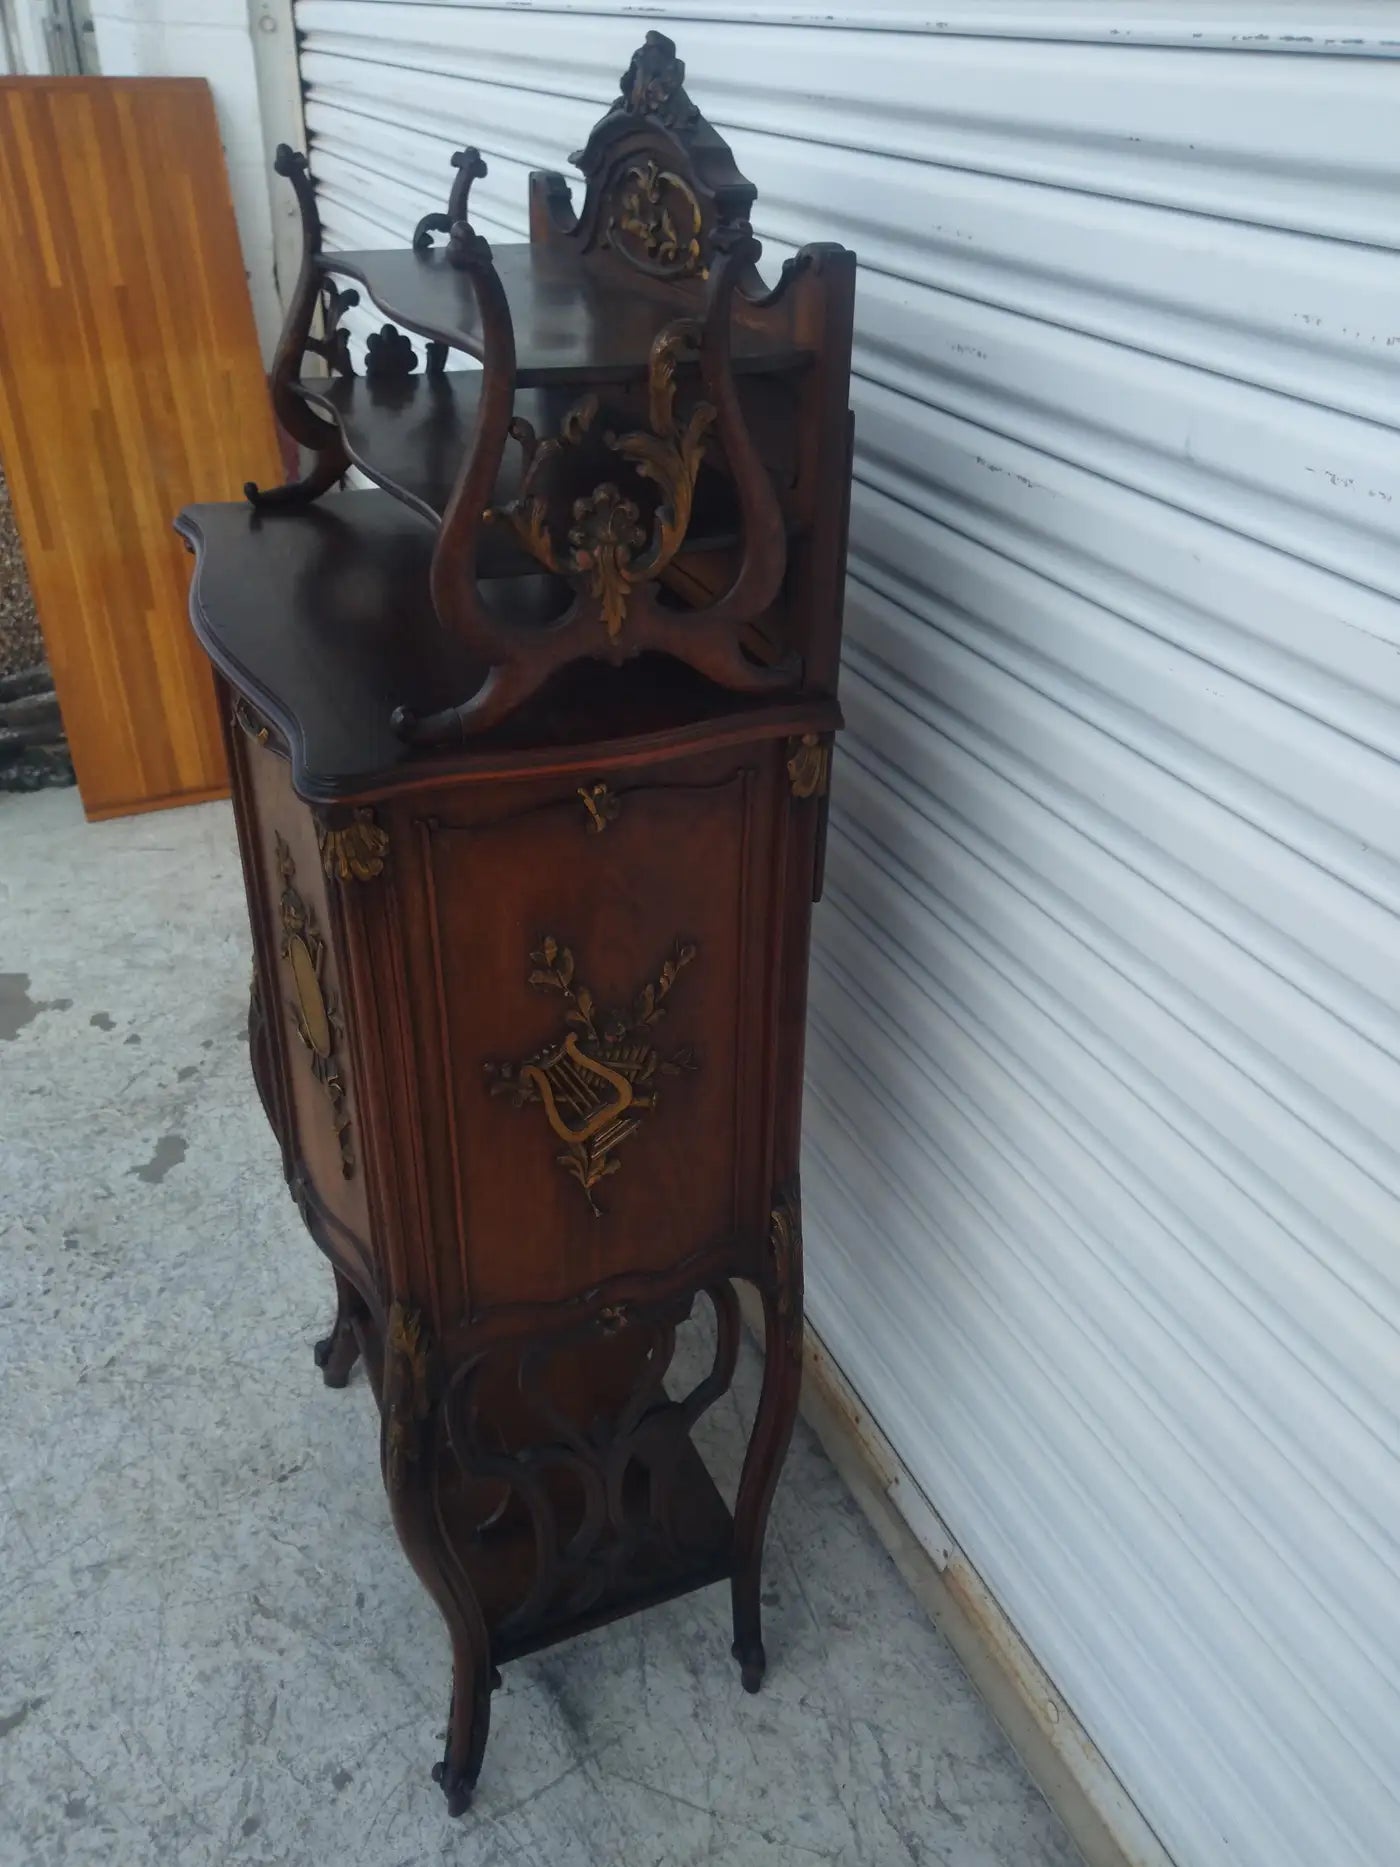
(130, 383)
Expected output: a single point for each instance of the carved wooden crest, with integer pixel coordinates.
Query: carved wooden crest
(598, 1081)
(660, 180)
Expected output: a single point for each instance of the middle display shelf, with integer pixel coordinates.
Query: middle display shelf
(409, 433)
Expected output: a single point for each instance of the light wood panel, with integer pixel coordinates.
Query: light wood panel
(130, 384)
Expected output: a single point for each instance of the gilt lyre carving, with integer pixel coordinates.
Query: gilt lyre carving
(596, 1083)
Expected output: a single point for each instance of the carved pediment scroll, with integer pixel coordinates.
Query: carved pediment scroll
(660, 182)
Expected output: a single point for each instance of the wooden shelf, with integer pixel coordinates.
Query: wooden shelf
(323, 618)
(573, 322)
(503, 1559)
(410, 434)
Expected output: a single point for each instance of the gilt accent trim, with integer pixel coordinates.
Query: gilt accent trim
(248, 722)
(315, 1015)
(603, 805)
(354, 851)
(596, 1083)
(809, 766)
(406, 1395)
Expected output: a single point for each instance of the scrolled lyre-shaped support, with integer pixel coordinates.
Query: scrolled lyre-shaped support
(711, 635)
(469, 166)
(304, 426)
(452, 580)
(611, 558)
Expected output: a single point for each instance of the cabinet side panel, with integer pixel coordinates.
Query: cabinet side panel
(307, 1005)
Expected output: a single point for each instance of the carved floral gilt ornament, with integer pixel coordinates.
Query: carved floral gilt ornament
(405, 1391)
(312, 1005)
(603, 805)
(607, 544)
(809, 766)
(354, 851)
(598, 1081)
(653, 84)
(660, 212)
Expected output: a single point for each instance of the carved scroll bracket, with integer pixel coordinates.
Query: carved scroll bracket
(310, 292)
(470, 167)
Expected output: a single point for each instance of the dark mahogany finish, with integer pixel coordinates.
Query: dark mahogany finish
(530, 810)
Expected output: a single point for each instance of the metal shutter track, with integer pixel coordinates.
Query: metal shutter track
(1102, 1172)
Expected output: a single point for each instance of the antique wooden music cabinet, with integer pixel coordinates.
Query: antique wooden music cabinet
(530, 750)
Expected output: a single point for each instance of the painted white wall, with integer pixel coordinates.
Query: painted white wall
(218, 40)
(23, 51)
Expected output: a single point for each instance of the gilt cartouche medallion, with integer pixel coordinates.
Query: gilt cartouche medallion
(312, 1004)
(598, 1081)
(658, 212)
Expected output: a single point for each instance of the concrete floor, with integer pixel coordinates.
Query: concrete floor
(211, 1649)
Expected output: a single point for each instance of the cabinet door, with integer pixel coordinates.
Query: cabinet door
(602, 969)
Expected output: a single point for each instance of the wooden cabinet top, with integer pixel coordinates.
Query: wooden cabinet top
(323, 621)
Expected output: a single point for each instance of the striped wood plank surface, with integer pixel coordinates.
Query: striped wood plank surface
(130, 384)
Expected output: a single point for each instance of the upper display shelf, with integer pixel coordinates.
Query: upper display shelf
(573, 322)
(655, 430)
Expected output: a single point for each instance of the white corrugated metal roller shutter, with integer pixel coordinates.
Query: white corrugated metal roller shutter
(1103, 1100)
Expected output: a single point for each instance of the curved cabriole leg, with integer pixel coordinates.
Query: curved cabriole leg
(772, 1430)
(409, 1451)
(337, 1353)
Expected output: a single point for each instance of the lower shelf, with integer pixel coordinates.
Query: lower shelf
(502, 1560)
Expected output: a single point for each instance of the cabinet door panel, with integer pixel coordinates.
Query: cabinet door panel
(606, 998)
